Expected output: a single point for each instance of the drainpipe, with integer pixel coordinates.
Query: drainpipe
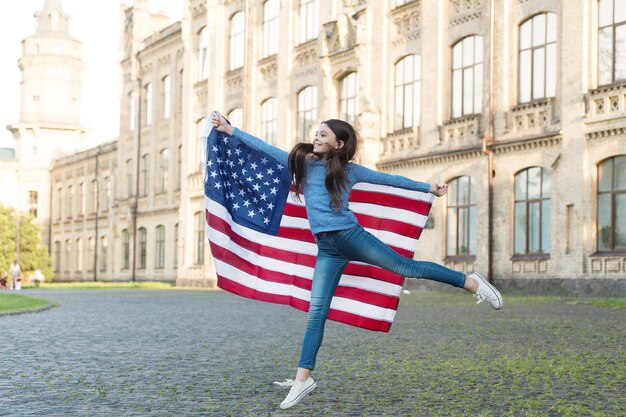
(136, 201)
(487, 141)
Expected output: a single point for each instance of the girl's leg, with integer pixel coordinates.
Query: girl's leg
(359, 245)
(328, 269)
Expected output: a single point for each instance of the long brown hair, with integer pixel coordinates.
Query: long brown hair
(336, 179)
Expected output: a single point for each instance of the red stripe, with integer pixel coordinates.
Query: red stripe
(359, 321)
(395, 226)
(390, 200)
(337, 315)
(294, 210)
(304, 235)
(369, 271)
(233, 259)
(221, 225)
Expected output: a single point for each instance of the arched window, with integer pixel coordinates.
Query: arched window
(537, 57)
(532, 212)
(129, 178)
(611, 41)
(33, 202)
(270, 27)
(268, 120)
(57, 256)
(79, 254)
(348, 98)
(235, 117)
(107, 193)
(407, 92)
(237, 41)
(307, 111)
(199, 231)
(91, 251)
(467, 76)
(104, 252)
(167, 96)
(612, 204)
(148, 102)
(160, 247)
(125, 249)
(94, 197)
(309, 19)
(164, 170)
(68, 255)
(203, 54)
(143, 236)
(461, 218)
(145, 175)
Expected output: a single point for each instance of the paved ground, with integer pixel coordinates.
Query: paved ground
(186, 353)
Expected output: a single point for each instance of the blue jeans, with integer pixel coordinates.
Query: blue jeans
(335, 250)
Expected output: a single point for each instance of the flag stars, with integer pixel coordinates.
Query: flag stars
(238, 151)
(270, 206)
(264, 161)
(253, 166)
(256, 187)
(251, 213)
(213, 174)
(236, 206)
(273, 190)
(259, 176)
(266, 220)
(270, 171)
(263, 197)
(246, 203)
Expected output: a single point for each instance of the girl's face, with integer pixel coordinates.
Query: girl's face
(325, 141)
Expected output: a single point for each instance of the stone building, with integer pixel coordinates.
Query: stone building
(49, 127)
(520, 105)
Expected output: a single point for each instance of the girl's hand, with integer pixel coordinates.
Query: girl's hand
(439, 189)
(221, 124)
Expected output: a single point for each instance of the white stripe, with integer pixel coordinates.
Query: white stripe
(268, 240)
(339, 303)
(394, 239)
(295, 222)
(302, 271)
(390, 213)
(272, 264)
(401, 192)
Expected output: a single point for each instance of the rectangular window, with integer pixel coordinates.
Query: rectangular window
(270, 27)
(309, 20)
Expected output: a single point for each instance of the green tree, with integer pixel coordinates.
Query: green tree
(32, 254)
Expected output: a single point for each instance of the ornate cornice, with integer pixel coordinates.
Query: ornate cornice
(525, 144)
(606, 133)
(431, 159)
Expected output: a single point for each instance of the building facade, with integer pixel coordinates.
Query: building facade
(520, 105)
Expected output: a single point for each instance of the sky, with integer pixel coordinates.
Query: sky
(96, 23)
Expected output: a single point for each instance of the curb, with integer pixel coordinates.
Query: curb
(28, 310)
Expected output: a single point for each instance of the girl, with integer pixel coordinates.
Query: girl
(323, 172)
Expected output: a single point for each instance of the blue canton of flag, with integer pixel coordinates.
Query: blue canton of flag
(251, 185)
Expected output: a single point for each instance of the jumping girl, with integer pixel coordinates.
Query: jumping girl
(322, 171)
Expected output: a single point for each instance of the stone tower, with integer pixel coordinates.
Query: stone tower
(51, 69)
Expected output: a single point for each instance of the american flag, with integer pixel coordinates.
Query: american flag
(263, 248)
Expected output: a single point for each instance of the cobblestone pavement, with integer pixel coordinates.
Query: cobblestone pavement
(210, 353)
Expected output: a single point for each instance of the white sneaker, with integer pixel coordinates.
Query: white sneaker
(487, 292)
(297, 392)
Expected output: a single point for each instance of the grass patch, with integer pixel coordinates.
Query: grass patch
(14, 302)
(91, 285)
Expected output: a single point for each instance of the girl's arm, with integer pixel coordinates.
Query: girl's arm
(363, 174)
(221, 125)
(261, 146)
